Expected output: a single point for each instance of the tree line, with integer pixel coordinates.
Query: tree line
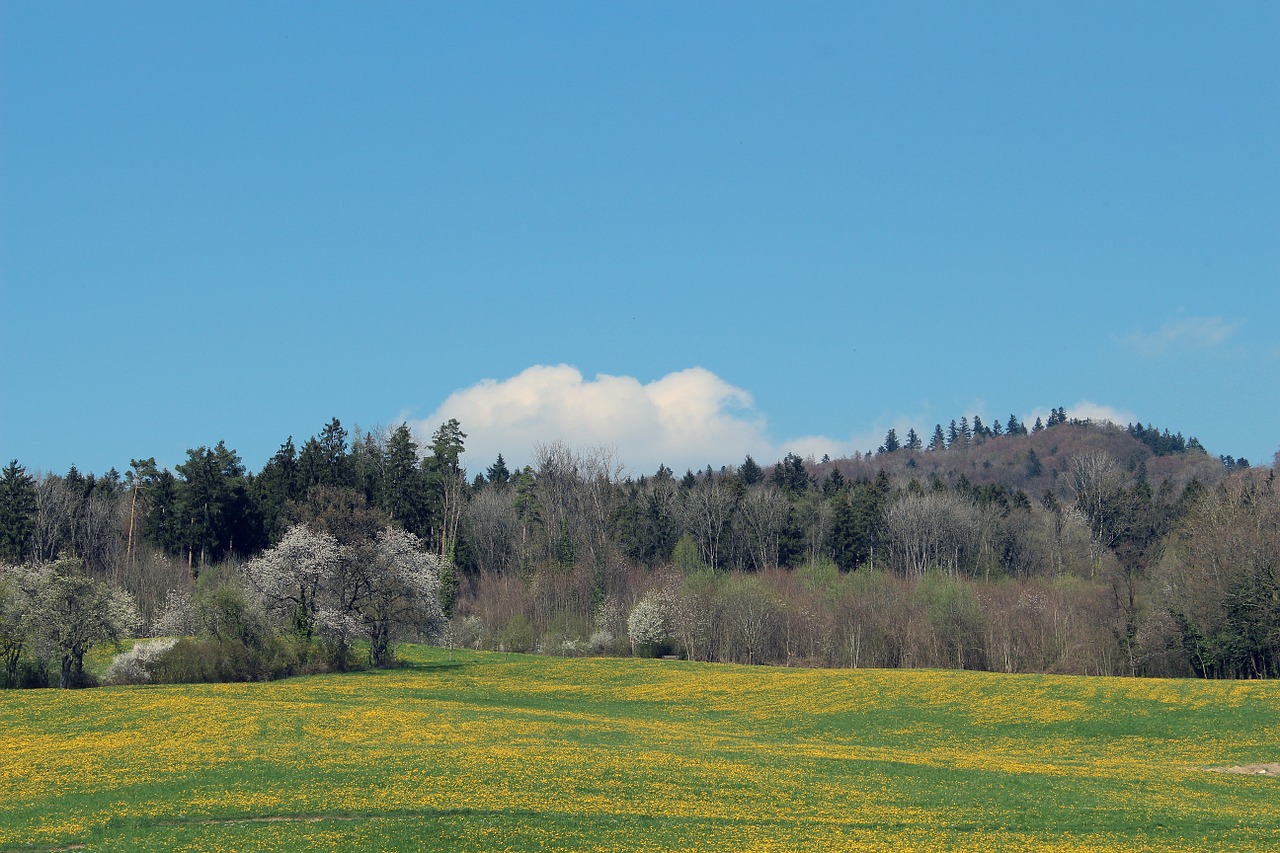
(1064, 546)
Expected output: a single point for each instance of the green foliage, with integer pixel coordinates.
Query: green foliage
(517, 634)
(790, 475)
(447, 444)
(956, 617)
(71, 613)
(687, 556)
(275, 487)
(856, 524)
(645, 521)
(749, 472)
(17, 513)
(214, 514)
(403, 489)
(1034, 466)
(498, 474)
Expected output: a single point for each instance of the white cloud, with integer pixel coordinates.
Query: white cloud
(686, 419)
(1087, 410)
(1185, 333)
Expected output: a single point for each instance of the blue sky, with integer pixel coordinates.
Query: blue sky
(688, 231)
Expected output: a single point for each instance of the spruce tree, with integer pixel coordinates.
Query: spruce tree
(17, 512)
(939, 440)
(497, 473)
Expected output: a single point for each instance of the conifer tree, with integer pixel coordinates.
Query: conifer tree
(17, 512)
(939, 439)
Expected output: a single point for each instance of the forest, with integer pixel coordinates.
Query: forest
(1067, 547)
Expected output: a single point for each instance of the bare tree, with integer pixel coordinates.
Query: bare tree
(575, 496)
(1097, 482)
(707, 510)
(933, 530)
(492, 527)
(762, 515)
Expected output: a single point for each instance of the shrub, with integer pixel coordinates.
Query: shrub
(192, 661)
(134, 666)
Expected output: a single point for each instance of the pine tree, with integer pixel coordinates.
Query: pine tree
(1034, 466)
(939, 439)
(17, 512)
(913, 440)
(790, 475)
(891, 442)
(497, 473)
(749, 472)
(276, 485)
(402, 489)
(446, 480)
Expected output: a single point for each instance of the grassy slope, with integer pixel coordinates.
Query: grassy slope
(496, 752)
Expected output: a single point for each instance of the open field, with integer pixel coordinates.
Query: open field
(507, 752)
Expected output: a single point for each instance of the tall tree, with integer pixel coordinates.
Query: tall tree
(367, 465)
(17, 512)
(498, 474)
(891, 442)
(939, 439)
(447, 479)
(749, 472)
(216, 515)
(791, 476)
(140, 478)
(162, 525)
(276, 485)
(323, 460)
(403, 490)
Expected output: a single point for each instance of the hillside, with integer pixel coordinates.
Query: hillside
(1071, 547)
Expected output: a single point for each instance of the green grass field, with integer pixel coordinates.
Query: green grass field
(508, 752)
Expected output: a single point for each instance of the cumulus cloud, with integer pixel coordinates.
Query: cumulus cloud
(1184, 333)
(686, 419)
(1087, 410)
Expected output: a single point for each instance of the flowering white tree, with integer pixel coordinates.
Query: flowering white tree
(403, 591)
(649, 622)
(376, 589)
(18, 585)
(72, 613)
(292, 575)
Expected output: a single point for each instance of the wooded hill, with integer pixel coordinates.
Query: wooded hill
(1069, 546)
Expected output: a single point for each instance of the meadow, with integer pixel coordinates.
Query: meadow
(491, 752)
